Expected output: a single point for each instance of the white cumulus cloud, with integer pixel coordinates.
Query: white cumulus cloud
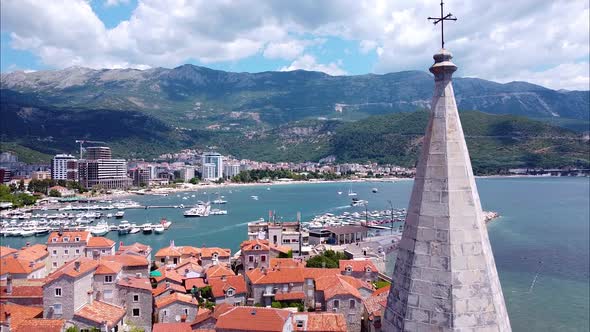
(308, 62)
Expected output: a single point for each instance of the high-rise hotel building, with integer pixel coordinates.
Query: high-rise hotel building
(212, 166)
(99, 169)
(64, 167)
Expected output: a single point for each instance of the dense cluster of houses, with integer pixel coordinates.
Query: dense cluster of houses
(77, 279)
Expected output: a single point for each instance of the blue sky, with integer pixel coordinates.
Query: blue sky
(540, 41)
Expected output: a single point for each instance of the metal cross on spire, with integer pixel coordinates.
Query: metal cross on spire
(442, 20)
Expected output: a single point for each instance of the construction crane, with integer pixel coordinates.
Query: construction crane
(85, 141)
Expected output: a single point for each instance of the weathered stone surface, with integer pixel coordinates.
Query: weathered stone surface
(445, 278)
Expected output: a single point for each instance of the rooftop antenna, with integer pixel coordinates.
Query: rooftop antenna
(442, 19)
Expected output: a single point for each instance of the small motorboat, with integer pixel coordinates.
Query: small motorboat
(134, 229)
(165, 223)
(375, 190)
(147, 228)
(124, 227)
(119, 214)
(159, 229)
(254, 197)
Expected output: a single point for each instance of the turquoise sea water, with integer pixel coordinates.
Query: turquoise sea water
(543, 220)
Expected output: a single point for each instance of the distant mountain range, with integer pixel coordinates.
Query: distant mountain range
(143, 113)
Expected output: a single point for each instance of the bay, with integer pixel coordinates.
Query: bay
(543, 232)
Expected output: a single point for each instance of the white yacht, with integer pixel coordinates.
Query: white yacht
(119, 214)
(159, 229)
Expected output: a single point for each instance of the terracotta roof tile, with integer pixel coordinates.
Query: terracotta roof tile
(100, 242)
(263, 245)
(100, 312)
(202, 315)
(35, 252)
(375, 304)
(220, 309)
(219, 286)
(138, 248)
(320, 322)
(177, 251)
(219, 270)
(69, 269)
(127, 260)
(134, 282)
(168, 274)
(335, 285)
(18, 313)
(359, 265)
(24, 288)
(161, 288)
(221, 252)
(175, 297)
(55, 237)
(6, 251)
(259, 319)
(189, 283)
(108, 267)
(191, 264)
(282, 276)
(314, 273)
(12, 265)
(176, 327)
(284, 263)
(40, 325)
(289, 296)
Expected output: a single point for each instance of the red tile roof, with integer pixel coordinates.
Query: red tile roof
(69, 269)
(176, 297)
(18, 313)
(40, 325)
(281, 276)
(219, 286)
(220, 309)
(169, 274)
(84, 236)
(357, 265)
(284, 263)
(100, 312)
(35, 252)
(221, 252)
(189, 283)
(190, 264)
(134, 282)
(138, 248)
(289, 296)
(202, 315)
(219, 270)
(336, 285)
(127, 260)
(376, 303)
(176, 327)
(108, 267)
(161, 288)
(6, 251)
(100, 242)
(12, 265)
(321, 322)
(177, 251)
(263, 245)
(24, 288)
(258, 319)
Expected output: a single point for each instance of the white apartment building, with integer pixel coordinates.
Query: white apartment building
(212, 166)
(64, 167)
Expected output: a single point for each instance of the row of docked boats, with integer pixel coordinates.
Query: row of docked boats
(377, 217)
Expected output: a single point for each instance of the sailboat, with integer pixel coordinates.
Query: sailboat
(350, 192)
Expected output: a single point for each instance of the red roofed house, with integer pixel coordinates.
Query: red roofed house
(41, 325)
(215, 256)
(374, 308)
(105, 280)
(4, 251)
(264, 285)
(132, 265)
(63, 191)
(319, 322)
(68, 288)
(229, 289)
(101, 315)
(63, 247)
(173, 255)
(363, 269)
(336, 293)
(257, 253)
(206, 319)
(176, 327)
(137, 249)
(12, 315)
(23, 291)
(176, 307)
(135, 295)
(20, 268)
(254, 319)
(98, 246)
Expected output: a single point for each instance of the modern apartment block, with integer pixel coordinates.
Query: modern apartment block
(64, 167)
(98, 152)
(212, 166)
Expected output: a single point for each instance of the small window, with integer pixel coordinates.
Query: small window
(77, 251)
(54, 264)
(257, 247)
(58, 292)
(66, 252)
(135, 298)
(77, 239)
(250, 258)
(103, 251)
(108, 294)
(163, 260)
(215, 256)
(66, 239)
(352, 304)
(54, 239)
(230, 292)
(336, 304)
(348, 269)
(57, 308)
(136, 312)
(54, 252)
(165, 313)
(263, 258)
(108, 279)
(186, 311)
(299, 323)
(368, 269)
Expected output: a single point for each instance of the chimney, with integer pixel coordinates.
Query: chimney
(77, 266)
(90, 296)
(183, 318)
(7, 319)
(9, 284)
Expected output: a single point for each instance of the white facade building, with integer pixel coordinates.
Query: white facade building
(230, 170)
(212, 166)
(64, 167)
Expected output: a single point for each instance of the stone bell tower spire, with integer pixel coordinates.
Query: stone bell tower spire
(445, 277)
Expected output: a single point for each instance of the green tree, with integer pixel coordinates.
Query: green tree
(287, 255)
(54, 193)
(381, 283)
(194, 180)
(21, 185)
(73, 329)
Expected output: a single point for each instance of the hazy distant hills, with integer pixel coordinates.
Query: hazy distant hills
(297, 115)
